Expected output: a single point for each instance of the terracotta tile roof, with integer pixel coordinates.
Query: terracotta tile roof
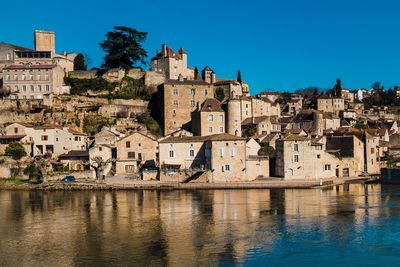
(74, 132)
(49, 126)
(11, 137)
(211, 105)
(16, 47)
(75, 153)
(225, 82)
(295, 137)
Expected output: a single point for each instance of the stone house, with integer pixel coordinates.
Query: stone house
(300, 157)
(34, 82)
(263, 124)
(226, 157)
(349, 149)
(179, 99)
(108, 136)
(245, 108)
(252, 147)
(271, 96)
(222, 156)
(135, 151)
(53, 139)
(231, 88)
(330, 104)
(209, 118)
(171, 64)
(76, 160)
(182, 152)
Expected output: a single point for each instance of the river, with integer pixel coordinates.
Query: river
(350, 225)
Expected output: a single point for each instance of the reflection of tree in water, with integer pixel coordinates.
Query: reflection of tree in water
(277, 199)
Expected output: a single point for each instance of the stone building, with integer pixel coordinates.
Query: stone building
(171, 64)
(182, 152)
(104, 151)
(243, 109)
(300, 157)
(222, 157)
(330, 104)
(179, 99)
(136, 151)
(232, 88)
(34, 82)
(209, 119)
(226, 157)
(53, 139)
(349, 149)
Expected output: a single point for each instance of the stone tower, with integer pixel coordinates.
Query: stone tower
(233, 117)
(208, 75)
(45, 41)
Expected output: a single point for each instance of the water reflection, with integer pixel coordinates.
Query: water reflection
(178, 228)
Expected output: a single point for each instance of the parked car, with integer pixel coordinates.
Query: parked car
(68, 179)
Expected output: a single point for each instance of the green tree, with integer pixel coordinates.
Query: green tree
(239, 76)
(196, 73)
(123, 48)
(361, 125)
(15, 150)
(79, 62)
(219, 94)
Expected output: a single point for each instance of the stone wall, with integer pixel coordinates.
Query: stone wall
(83, 74)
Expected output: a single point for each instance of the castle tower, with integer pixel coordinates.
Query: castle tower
(208, 75)
(233, 118)
(45, 41)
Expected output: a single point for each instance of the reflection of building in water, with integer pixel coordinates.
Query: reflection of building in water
(173, 227)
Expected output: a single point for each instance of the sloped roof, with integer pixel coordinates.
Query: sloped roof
(211, 105)
(16, 47)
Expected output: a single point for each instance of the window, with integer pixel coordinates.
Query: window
(139, 144)
(139, 156)
(32, 89)
(192, 92)
(40, 88)
(233, 152)
(128, 144)
(45, 138)
(7, 77)
(129, 168)
(175, 91)
(221, 152)
(221, 117)
(295, 147)
(77, 138)
(210, 129)
(8, 56)
(210, 117)
(327, 167)
(192, 103)
(171, 153)
(191, 153)
(16, 88)
(131, 155)
(16, 130)
(23, 88)
(372, 150)
(175, 103)
(47, 88)
(221, 129)
(296, 158)
(100, 149)
(318, 156)
(226, 168)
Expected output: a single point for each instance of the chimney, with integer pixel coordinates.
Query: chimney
(164, 49)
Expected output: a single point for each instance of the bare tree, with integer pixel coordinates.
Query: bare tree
(42, 164)
(99, 165)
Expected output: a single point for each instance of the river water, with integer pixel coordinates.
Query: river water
(349, 225)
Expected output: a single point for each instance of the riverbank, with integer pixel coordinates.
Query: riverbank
(126, 184)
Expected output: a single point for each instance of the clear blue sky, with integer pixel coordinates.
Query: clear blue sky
(277, 44)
